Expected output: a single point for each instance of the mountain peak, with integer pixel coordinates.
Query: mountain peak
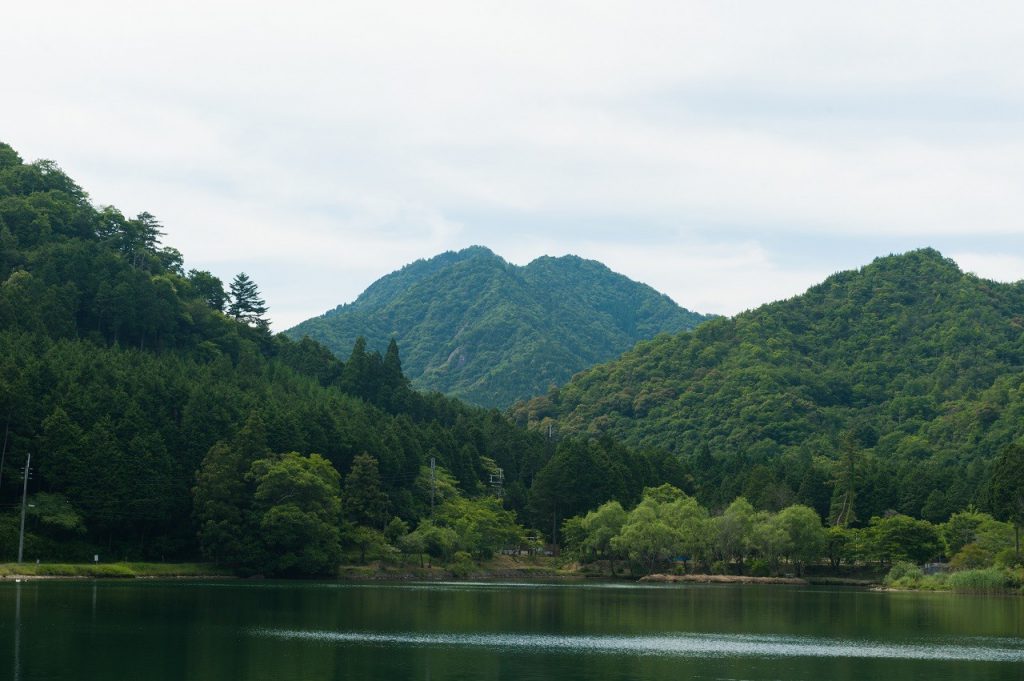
(476, 251)
(472, 325)
(920, 256)
(911, 357)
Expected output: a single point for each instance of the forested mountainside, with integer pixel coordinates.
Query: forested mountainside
(887, 388)
(165, 421)
(473, 326)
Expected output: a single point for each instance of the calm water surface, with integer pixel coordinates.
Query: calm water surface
(310, 631)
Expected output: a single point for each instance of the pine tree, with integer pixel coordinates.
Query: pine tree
(394, 387)
(844, 493)
(246, 304)
(1006, 490)
(363, 500)
(393, 366)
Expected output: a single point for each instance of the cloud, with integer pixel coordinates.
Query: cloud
(319, 145)
(996, 266)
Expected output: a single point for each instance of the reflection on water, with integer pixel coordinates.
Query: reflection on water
(681, 645)
(328, 631)
(532, 586)
(17, 631)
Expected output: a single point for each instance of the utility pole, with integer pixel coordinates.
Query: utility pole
(3, 453)
(554, 530)
(433, 485)
(24, 498)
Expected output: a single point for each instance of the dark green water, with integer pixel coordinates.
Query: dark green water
(317, 631)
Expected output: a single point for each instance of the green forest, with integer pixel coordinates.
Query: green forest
(874, 420)
(473, 326)
(671, 531)
(166, 422)
(893, 388)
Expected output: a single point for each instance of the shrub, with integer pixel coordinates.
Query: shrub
(936, 582)
(971, 557)
(903, 573)
(1007, 558)
(986, 581)
(760, 568)
(386, 554)
(463, 565)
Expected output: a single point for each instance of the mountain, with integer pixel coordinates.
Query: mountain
(474, 326)
(891, 387)
(164, 423)
(157, 419)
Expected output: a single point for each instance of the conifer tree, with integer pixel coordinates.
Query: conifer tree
(246, 304)
(363, 500)
(1007, 489)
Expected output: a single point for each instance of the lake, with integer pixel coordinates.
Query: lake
(313, 631)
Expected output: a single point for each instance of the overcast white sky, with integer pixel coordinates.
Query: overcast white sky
(726, 153)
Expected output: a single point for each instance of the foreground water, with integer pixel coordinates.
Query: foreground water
(276, 631)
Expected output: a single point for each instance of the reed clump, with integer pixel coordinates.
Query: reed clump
(984, 581)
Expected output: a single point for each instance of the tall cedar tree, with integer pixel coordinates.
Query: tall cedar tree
(363, 499)
(1007, 489)
(246, 304)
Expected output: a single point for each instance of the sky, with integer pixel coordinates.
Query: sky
(727, 153)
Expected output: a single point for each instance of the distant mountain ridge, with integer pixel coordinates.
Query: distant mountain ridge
(146, 406)
(903, 378)
(472, 325)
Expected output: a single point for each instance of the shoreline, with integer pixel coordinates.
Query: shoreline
(382, 573)
(724, 579)
(363, 573)
(119, 570)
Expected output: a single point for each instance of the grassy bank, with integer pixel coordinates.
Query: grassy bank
(499, 567)
(993, 580)
(903, 576)
(111, 570)
(725, 579)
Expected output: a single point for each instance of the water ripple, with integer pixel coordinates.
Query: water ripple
(678, 645)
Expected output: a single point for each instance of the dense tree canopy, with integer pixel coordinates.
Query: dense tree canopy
(473, 326)
(147, 407)
(297, 502)
(669, 530)
(166, 424)
(893, 387)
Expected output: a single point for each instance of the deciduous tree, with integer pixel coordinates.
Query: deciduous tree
(297, 501)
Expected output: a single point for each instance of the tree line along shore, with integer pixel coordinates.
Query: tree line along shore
(871, 424)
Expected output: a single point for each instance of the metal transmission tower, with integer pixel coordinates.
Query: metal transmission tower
(497, 482)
